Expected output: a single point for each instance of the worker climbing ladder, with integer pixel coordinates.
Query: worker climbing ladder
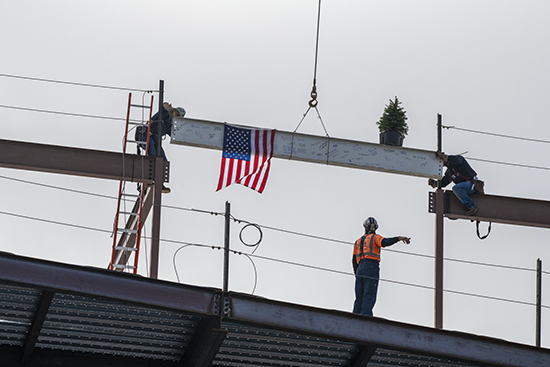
(126, 241)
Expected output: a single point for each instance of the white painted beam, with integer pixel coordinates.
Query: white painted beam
(311, 148)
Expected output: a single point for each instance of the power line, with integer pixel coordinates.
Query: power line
(76, 84)
(499, 135)
(273, 259)
(509, 164)
(387, 249)
(67, 113)
(274, 228)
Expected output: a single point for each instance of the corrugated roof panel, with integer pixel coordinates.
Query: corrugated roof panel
(385, 358)
(252, 346)
(17, 306)
(82, 324)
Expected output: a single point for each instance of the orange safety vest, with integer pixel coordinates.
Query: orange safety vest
(368, 247)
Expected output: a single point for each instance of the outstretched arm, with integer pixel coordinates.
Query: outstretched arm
(393, 240)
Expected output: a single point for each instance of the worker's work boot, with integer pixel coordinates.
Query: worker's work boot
(473, 210)
(165, 190)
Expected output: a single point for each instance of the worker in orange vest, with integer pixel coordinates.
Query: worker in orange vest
(366, 265)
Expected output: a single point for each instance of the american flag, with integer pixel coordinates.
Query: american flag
(246, 157)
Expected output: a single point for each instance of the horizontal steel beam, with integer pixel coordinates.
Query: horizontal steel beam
(498, 209)
(256, 311)
(366, 330)
(78, 162)
(314, 149)
(94, 282)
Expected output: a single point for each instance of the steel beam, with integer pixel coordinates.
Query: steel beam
(499, 209)
(78, 162)
(205, 344)
(65, 278)
(257, 311)
(314, 149)
(367, 330)
(363, 356)
(37, 322)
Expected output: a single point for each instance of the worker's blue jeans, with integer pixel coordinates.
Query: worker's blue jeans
(153, 149)
(462, 190)
(366, 286)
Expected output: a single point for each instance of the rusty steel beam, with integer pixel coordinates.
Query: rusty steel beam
(78, 162)
(499, 209)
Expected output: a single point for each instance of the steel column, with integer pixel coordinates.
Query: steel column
(539, 303)
(439, 248)
(226, 246)
(155, 232)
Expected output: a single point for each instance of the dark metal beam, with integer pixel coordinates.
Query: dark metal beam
(499, 209)
(78, 162)
(366, 330)
(205, 344)
(65, 278)
(37, 322)
(256, 311)
(155, 230)
(363, 356)
(439, 256)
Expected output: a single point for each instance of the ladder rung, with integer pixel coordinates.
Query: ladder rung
(131, 195)
(129, 213)
(124, 248)
(119, 266)
(139, 105)
(126, 230)
(137, 141)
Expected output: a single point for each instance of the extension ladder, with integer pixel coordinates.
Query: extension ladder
(126, 241)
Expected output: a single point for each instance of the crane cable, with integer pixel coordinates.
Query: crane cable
(313, 101)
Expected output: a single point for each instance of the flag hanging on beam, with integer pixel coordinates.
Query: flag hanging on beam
(246, 157)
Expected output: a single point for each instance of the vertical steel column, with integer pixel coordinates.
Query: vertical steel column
(439, 209)
(157, 198)
(539, 302)
(161, 102)
(226, 252)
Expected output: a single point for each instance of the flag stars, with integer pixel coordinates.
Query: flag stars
(236, 143)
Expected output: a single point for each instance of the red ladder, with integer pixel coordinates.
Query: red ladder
(126, 241)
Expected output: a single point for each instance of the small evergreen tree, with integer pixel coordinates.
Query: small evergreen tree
(393, 118)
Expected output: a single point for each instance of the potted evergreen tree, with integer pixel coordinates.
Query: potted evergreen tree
(392, 125)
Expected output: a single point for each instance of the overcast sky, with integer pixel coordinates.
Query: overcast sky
(483, 65)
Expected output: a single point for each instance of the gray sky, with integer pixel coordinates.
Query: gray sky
(481, 64)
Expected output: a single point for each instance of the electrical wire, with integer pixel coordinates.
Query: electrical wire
(67, 113)
(348, 243)
(510, 164)
(499, 135)
(104, 196)
(237, 220)
(76, 84)
(279, 261)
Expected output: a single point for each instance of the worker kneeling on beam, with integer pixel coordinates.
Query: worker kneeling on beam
(366, 265)
(464, 177)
